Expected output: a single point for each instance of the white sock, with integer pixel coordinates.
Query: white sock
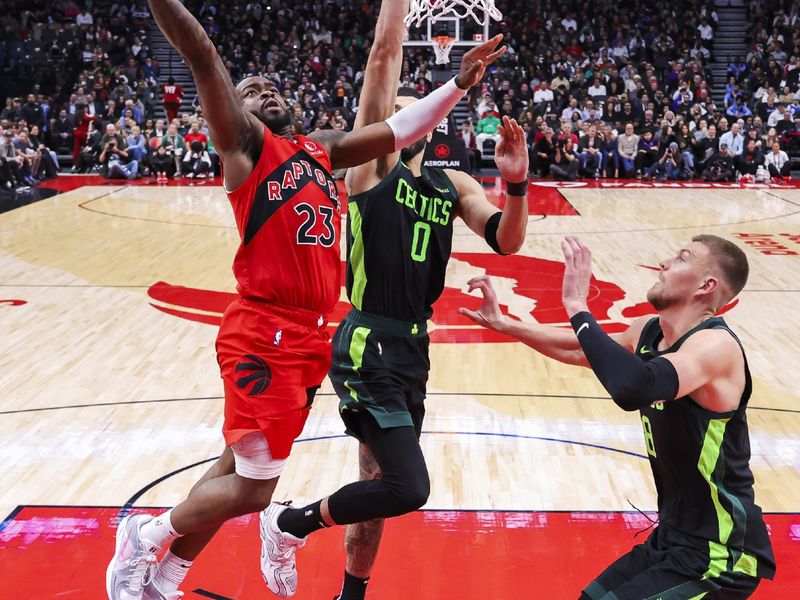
(172, 570)
(158, 532)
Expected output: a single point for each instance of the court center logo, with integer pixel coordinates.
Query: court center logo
(255, 374)
(535, 293)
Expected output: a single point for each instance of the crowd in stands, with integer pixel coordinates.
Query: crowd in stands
(623, 89)
(603, 88)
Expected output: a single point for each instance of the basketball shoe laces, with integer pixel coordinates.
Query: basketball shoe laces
(142, 573)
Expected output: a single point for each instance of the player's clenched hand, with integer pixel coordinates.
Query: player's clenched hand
(488, 315)
(511, 154)
(474, 63)
(577, 274)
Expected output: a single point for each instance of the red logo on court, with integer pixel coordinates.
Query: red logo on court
(529, 288)
(442, 151)
(13, 302)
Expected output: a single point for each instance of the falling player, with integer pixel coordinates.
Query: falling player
(272, 347)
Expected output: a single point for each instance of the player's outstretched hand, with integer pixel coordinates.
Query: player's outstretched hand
(488, 315)
(577, 274)
(474, 63)
(511, 154)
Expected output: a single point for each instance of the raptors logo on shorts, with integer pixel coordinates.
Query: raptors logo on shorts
(255, 375)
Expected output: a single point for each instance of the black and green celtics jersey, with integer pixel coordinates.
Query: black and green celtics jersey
(399, 236)
(700, 462)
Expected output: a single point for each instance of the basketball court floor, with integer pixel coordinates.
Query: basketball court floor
(111, 398)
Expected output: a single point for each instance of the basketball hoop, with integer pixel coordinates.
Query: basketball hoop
(441, 47)
(480, 10)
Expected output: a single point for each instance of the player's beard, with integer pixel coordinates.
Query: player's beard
(658, 298)
(409, 152)
(278, 122)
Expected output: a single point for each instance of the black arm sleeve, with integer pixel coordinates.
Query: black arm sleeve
(631, 382)
(490, 232)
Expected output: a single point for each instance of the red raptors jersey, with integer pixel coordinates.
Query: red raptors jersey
(172, 93)
(287, 213)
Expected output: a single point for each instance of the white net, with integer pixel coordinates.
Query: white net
(442, 46)
(424, 10)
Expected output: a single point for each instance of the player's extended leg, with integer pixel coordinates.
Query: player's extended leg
(212, 502)
(175, 565)
(361, 540)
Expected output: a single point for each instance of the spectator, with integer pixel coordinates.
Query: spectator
(195, 135)
(137, 144)
(720, 166)
(61, 129)
(544, 152)
(543, 94)
(590, 150)
(597, 91)
(32, 112)
(114, 156)
(627, 149)
(738, 108)
(467, 137)
(84, 18)
(160, 130)
(670, 165)
(48, 165)
(175, 145)
(785, 125)
(646, 153)
(749, 160)
(733, 140)
(706, 148)
(161, 162)
(90, 150)
(610, 154)
(26, 151)
(487, 130)
(777, 162)
(196, 161)
(566, 164)
(18, 166)
(173, 96)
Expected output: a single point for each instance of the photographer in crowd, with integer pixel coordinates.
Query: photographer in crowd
(114, 156)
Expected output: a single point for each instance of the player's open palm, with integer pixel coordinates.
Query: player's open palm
(474, 62)
(577, 274)
(511, 154)
(489, 314)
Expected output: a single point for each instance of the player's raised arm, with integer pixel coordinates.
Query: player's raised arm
(382, 74)
(233, 130)
(413, 122)
(554, 342)
(379, 90)
(504, 230)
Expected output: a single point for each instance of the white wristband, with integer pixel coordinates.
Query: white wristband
(420, 117)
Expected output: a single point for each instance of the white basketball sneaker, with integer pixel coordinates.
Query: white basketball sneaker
(151, 592)
(133, 563)
(278, 553)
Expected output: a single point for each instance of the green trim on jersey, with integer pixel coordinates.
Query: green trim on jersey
(709, 456)
(357, 256)
(358, 344)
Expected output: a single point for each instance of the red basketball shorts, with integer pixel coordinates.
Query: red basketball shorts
(272, 360)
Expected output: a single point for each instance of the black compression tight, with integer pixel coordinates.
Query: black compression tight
(404, 486)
